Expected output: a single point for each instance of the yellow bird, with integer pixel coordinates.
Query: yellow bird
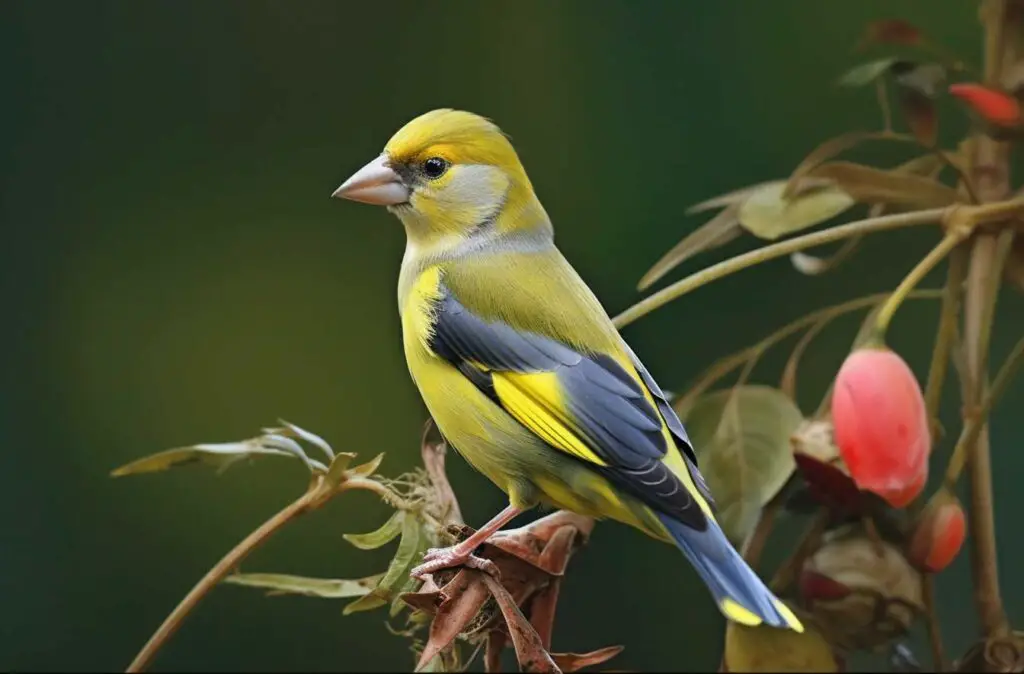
(520, 366)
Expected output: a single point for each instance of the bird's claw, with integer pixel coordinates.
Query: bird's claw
(436, 559)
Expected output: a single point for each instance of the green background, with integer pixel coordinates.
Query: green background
(174, 272)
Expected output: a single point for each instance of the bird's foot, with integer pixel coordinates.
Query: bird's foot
(436, 559)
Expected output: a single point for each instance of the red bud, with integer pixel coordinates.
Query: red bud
(992, 105)
(881, 426)
(939, 533)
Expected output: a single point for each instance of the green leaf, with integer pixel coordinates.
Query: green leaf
(768, 215)
(410, 545)
(310, 437)
(382, 536)
(741, 437)
(218, 455)
(369, 468)
(336, 471)
(866, 73)
(325, 588)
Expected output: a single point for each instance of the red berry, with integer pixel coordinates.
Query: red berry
(994, 106)
(881, 426)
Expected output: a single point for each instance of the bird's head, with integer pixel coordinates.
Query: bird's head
(449, 175)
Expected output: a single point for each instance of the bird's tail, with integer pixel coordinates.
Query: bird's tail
(740, 594)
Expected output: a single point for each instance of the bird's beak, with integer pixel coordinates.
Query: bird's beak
(376, 183)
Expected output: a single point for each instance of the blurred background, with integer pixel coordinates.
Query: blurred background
(176, 273)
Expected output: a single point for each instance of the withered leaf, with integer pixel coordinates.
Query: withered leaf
(574, 662)
(866, 73)
(530, 652)
(325, 588)
(336, 472)
(382, 536)
(410, 548)
(919, 111)
(466, 594)
(727, 199)
(761, 649)
(767, 215)
(718, 231)
(825, 151)
(303, 434)
(742, 440)
(871, 185)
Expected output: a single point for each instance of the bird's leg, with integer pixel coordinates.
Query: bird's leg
(461, 554)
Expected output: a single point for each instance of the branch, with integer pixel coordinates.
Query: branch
(713, 273)
(990, 169)
(318, 493)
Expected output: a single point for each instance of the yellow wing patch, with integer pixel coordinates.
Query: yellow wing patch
(535, 400)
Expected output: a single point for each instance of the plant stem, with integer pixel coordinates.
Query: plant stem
(727, 364)
(932, 622)
(713, 273)
(319, 492)
(215, 575)
(945, 335)
(952, 239)
(976, 421)
(989, 168)
(807, 546)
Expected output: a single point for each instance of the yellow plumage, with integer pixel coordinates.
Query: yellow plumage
(520, 366)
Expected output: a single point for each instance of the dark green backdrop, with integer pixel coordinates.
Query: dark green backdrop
(174, 272)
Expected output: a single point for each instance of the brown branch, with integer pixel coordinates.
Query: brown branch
(989, 168)
(220, 570)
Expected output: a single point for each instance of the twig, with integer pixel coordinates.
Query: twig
(946, 333)
(932, 622)
(977, 420)
(809, 542)
(220, 570)
(317, 494)
(952, 239)
(759, 537)
(714, 272)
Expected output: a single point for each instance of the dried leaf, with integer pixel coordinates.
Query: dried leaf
(919, 111)
(218, 455)
(409, 549)
(825, 151)
(891, 31)
(382, 536)
(530, 652)
(760, 649)
(866, 73)
(367, 469)
(870, 185)
(466, 595)
(742, 440)
(718, 231)
(325, 588)
(767, 215)
(574, 662)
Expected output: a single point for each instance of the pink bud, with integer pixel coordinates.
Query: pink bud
(938, 534)
(881, 425)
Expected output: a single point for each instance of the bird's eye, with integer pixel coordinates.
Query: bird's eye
(435, 167)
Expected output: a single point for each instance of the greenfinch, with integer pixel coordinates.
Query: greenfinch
(520, 366)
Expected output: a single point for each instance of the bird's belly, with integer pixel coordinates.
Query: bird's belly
(516, 460)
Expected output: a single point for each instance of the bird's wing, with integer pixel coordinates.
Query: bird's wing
(592, 406)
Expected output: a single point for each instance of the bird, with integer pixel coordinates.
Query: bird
(520, 366)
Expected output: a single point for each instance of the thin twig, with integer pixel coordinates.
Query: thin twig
(808, 544)
(932, 622)
(946, 334)
(713, 273)
(220, 570)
